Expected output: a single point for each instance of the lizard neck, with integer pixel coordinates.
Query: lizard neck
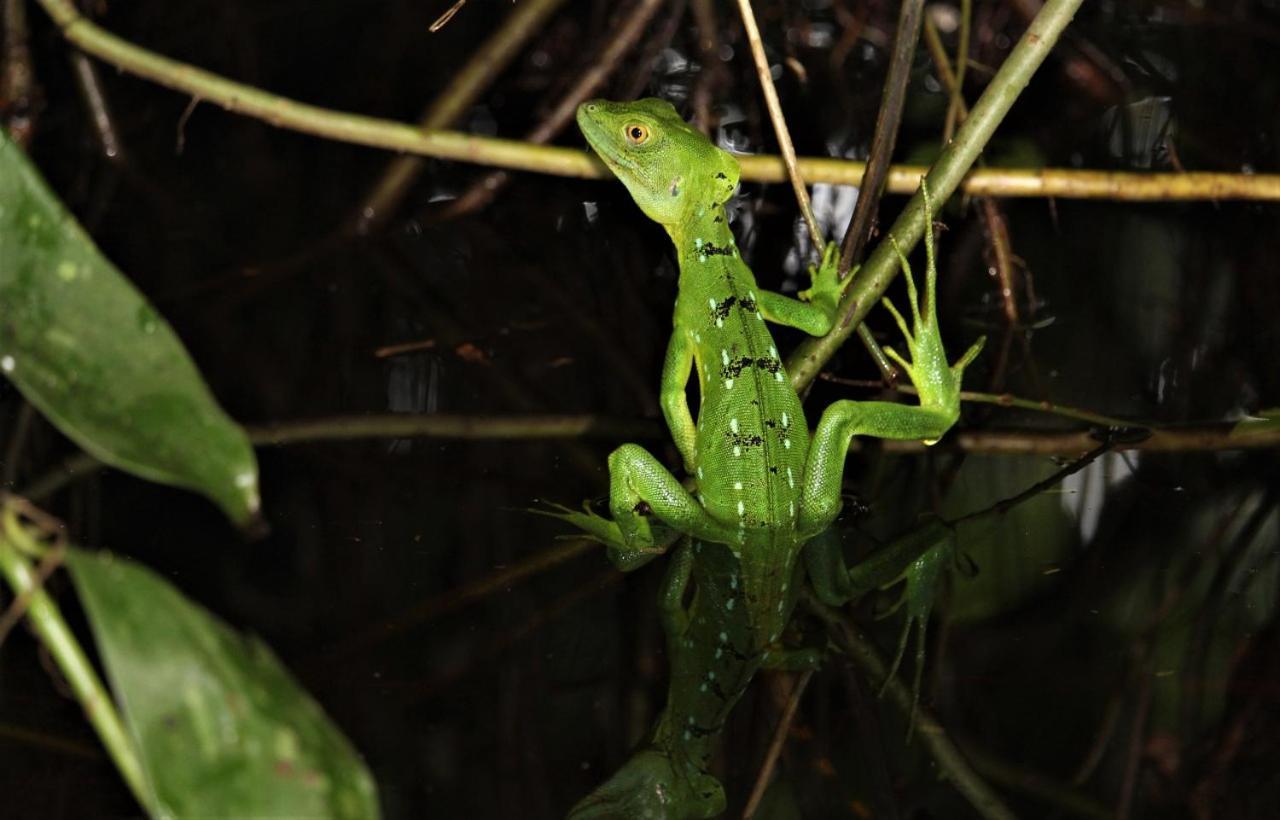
(702, 237)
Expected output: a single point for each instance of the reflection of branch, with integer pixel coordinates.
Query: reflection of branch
(482, 657)
(1002, 400)
(1050, 791)
(950, 760)
(394, 425)
(457, 598)
(1005, 504)
(396, 136)
(780, 733)
(1207, 438)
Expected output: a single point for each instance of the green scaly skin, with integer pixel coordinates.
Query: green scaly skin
(762, 487)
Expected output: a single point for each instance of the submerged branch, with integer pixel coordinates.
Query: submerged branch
(951, 762)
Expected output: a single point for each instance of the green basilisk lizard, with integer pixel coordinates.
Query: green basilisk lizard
(762, 487)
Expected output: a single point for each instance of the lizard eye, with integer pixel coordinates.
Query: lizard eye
(637, 134)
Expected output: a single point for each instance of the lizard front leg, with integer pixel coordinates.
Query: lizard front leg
(815, 311)
(820, 499)
(936, 382)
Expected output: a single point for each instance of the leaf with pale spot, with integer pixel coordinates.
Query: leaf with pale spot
(88, 350)
(222, 729)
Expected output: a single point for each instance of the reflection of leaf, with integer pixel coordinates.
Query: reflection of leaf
(222, 728)
(87, 349)
(1267, 421)
(1016, 553)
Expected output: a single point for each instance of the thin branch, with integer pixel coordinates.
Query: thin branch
(451, 145)
(956, 109)
(1004, 505)
(89, 83)
(456, 599)
(1000, 244)
(883, 141)
(949, 759)
(775, 745)
(443, 20)
(464, 88)
(886, 135)
(1137, 745)
(944, 177)
(1005, 400)
(712, 71)
(441, 425)
(1202, 438)
(482, 657)
(1054, 794)
(950, 82)
(19, 94)
(779, 122)
(17, 441)
(482, 191)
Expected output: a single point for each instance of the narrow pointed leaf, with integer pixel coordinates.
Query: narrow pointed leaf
(1267, 421)
(88, 350)
(221, 727)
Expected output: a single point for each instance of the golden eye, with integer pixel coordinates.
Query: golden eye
(637, 134)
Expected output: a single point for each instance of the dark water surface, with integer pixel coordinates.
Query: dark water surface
(1131, 613)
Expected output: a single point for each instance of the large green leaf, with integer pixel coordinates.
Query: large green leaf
(221, 727)
(87, 349)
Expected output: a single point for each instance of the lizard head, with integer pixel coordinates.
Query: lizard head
(671, 169)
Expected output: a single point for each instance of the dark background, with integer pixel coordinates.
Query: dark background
(1131, 613)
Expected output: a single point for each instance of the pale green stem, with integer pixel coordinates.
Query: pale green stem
(53, 632)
